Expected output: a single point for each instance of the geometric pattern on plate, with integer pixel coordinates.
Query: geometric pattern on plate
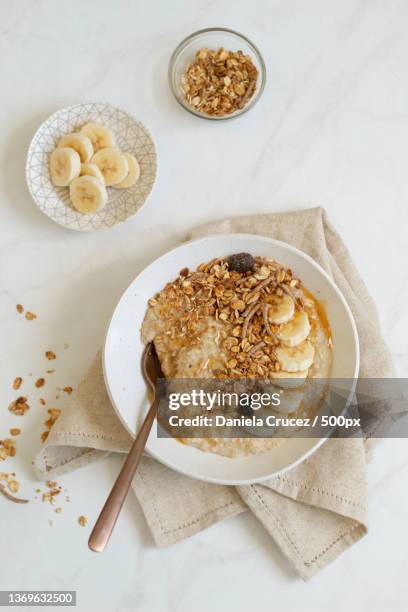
(131, 136)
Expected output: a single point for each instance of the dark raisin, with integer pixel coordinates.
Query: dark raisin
(241, 262)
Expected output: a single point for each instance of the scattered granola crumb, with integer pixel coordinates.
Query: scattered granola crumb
(7, 449)
(20, 308)
(82, 520)
(58, 510)
(13, 486)
(40, 382)
(30, 316)
(50, 355)
(54, 414)
(16, 500)
(50, 371)
(42, 401)
(54, 490)
(15, 431)
(17, 382)
(68, 390)
(38, 490)
(19, 406)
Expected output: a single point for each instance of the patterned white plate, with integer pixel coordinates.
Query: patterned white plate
(131, 136)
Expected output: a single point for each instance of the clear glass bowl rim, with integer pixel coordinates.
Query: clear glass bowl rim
(191, 37)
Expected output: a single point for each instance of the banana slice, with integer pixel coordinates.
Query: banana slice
(92, 170)
(297, 358)
(65, 165)
(289, 380)
(290, 400)
(113, 165)
(296, 331)
(80, 143)
(133, 174)
(100, 135)
(88, 195)
(281, 309)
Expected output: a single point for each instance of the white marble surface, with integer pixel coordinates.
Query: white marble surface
(330, 130)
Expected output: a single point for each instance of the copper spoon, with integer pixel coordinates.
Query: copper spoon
(107, 519)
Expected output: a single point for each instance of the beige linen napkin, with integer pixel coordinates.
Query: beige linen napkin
(313, 512)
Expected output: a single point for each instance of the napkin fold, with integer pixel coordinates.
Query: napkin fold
(315, 511)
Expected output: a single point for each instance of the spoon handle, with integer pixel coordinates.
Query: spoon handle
(106, 521)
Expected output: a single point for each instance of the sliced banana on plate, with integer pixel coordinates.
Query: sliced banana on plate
(65, 165)
(80, 143)
(297, 358)
(100, 135)
(133, 174)
(281, 309)
(92, 154)
(113, 165)
(88, 195)
(295, 331)
(289, 380)
(92, 170)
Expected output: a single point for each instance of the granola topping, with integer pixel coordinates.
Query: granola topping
(219, 82)
(239, 300)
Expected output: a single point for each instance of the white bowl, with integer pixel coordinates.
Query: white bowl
(123, 352)
(131, 137)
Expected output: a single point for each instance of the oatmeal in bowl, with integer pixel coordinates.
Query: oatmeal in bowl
(144, 307)
(242, 317)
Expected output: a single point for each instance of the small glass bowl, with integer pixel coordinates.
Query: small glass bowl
(213, 38)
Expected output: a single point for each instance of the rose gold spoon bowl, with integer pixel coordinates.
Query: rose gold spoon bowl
(107, 519)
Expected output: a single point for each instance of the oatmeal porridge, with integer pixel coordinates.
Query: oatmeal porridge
(241, 317)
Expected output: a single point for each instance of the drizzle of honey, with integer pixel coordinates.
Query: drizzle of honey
(321, 314)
